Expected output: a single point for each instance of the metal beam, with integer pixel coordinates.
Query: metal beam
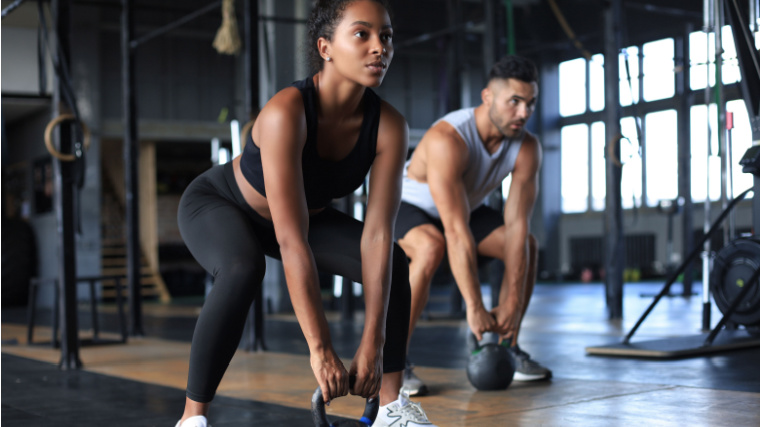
(613, 218)
(453, 58)
(64, 202)
(11, 7)
(663, 10)
(178, 23)
(684, 153)
(131, 159)
(433, 35)
(251, 57)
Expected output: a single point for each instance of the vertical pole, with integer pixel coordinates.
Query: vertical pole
(642, 125)
(511, 49)
(251, 77)
(706, 309)
(251, 58)
(683, 86)
(131, 158)
(589, 150)
(550, 194)
(489, 36)
(613, 224)
(729, 164)
(64, 205)
(454, 55)
(721, 104)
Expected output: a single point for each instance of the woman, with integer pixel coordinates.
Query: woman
(312, 142)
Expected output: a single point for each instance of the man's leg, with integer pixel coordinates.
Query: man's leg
(494, 246)
(425, 246)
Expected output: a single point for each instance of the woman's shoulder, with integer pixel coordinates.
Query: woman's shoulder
(390, 116)
(288, 102)
(392, 127)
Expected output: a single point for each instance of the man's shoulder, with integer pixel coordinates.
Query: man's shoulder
(531, 140)
(443, 133)
(530, 154)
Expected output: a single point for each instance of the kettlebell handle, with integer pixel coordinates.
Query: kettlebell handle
(319, 416)
(473, 345)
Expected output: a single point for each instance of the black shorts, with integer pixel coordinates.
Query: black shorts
(483, 221)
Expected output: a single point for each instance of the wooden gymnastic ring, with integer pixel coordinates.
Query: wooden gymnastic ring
(244, 131)
(49, 140)
(611, 151)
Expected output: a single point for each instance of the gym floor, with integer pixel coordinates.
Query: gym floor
(141, 383)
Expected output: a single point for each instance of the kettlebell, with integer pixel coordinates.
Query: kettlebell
(490, 366)
(319, 416)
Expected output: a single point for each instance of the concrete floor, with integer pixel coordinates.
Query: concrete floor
(141, 382)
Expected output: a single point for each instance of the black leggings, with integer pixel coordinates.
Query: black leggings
(229, 239)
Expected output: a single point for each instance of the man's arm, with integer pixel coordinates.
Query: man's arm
(517, 211)
(446, 160)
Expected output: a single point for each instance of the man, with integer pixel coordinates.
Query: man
(460, 160)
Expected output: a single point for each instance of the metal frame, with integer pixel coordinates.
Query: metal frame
(129, 44)
(64, 202)
(613, 218)
(692, 256)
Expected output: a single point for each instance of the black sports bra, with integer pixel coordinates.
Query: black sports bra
(323, 180)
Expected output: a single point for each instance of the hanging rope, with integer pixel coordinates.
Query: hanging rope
(568, 31)
(227, 40)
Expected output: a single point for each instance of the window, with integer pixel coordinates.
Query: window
(699, 154)
(661, 156)
(572, 87)
(659, 75)
(596, 83)
(630, 158)
(574, 165)
(698, 50)
(647, 73)
(629, 76)
(741, 140)
(731, 73)
(505, 186)
(702, 48)
(598, 166)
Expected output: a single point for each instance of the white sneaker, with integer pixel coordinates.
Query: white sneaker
(402, 413)
(413, 385)
(196, 421)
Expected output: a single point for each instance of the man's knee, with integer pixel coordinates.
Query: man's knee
(425, 247)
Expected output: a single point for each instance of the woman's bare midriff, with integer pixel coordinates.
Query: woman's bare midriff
(257, 201)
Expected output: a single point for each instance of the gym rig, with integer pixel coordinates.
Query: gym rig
(734, 276)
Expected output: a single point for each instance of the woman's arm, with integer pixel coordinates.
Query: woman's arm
(377, 246)
(281, 135)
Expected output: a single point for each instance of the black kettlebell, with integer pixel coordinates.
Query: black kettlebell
(320, 417)
(490, 366)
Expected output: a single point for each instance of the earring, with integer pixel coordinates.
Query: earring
(329, 59)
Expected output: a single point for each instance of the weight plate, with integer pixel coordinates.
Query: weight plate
(732, 268)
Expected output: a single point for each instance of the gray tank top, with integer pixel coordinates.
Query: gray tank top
(484, 171)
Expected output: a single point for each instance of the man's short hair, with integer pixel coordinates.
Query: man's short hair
(514, 67)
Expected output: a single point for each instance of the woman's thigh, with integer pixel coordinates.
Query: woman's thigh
(335, 241)
(217, 231)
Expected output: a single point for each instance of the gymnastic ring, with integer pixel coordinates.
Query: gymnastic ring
(611, 151)
(49, 140)
(244, 131)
